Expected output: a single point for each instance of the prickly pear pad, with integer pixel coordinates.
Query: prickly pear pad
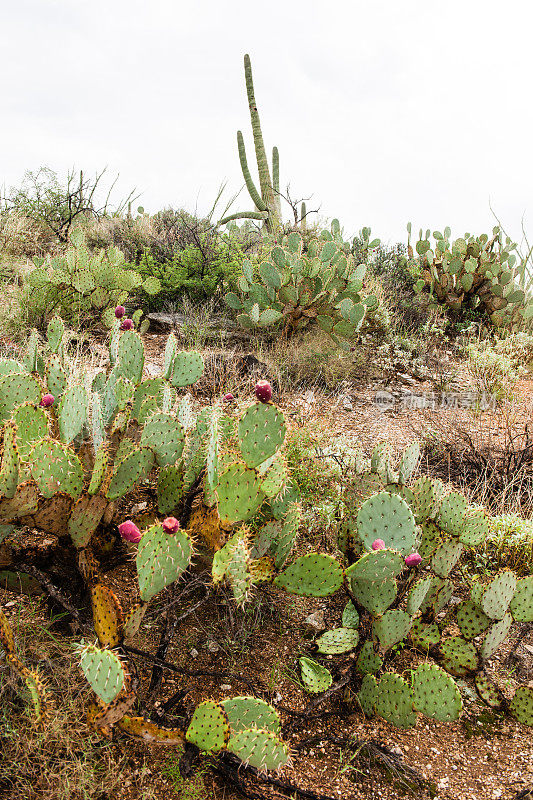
(161, 558)
(378, 565)
(104, 671)
(239, 493)
(260, 748)
(522, 603)
(471, 620)
(244, 713)
(315, 677)
(209, 728)
(436, 694)
(386, 516)
(312, 575)
(108, 616)
(337, 640)
(262, 432)
(394, 701)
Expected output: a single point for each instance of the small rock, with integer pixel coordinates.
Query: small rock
(212, 646)
(315, 622)
(194, 653)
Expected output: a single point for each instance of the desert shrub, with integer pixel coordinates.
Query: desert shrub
(80, 286)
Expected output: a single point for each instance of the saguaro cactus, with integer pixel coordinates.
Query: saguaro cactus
(267, 200)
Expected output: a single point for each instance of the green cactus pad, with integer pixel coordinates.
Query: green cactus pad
(72, 413)
(209, 728)
(521, 706)
(350, 617)
(367, 695)
(459, 657)
(25, 501)
(163, 434)
(262, 432)
(487, 691)
(238, 570)
(186, 369)
(16, 389)
(495, 636)
(475, 528)
(170, 488)
(392, 627)
(451, 513)
(446, 557)
(417, 594)
(239, 493)
(378, 565)
(436, 694)
(130, 357)
(245, 713)
(56, 379)
(315, 677)
(471, 620)
(522, 603)
(84, 518)
(260, 748)
(56, 468)
(394, 701)
(161, 558)
(424, 634)
(312, 575)
(104, 671)
(337, 640)
(409, 462)
(430, 541)
(386, 516)
(9, 465)
(375, 596)
(497, 594)
(368, 661)
(134, 467)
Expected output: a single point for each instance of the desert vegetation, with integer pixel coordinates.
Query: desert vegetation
(266, 501)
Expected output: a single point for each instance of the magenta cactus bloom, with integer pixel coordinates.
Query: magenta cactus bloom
(126, 324)
(228, 397)
(378, 544)
(413, 560)
(171, 525)
(47, 400)
(263, 391)
(119, 312)
(130, 532)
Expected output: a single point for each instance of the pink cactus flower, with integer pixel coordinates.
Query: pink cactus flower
(170, 525)
(378, 544)
(130, 532)
(228, 398)
(126, 324)
(119, 312)
(413, 560)
(47, 400)
(263, 391)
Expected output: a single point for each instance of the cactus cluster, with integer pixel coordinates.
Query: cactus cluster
(84, 284)
(301, 283)
(474, 272)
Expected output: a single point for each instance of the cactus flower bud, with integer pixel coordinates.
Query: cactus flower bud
(413, 560)
(119, 312)
(126, 324)
(228, 397)
(47, 400)
(170, 525)
(378, 544)
(263, 391)
(129, 532)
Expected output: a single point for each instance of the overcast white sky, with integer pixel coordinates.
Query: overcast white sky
(384, 111)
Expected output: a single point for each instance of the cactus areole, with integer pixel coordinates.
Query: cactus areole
(263, 391)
